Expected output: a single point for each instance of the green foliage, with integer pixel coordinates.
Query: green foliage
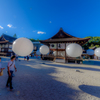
(97, 46)
(94, 41)
(33, 40)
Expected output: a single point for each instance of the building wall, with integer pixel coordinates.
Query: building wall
(6, 48)
(37, 45)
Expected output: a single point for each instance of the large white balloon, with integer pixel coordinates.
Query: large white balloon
(22, 46)
(74, 50)
(90, 52)
(97, 52)
(44, 49)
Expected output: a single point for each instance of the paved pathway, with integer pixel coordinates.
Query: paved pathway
(51, 81)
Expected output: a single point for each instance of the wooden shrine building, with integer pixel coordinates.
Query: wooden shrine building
(6, 45)
(60, 41)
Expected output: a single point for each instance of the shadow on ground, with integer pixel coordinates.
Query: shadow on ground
(92, 90)
(38, 84)
(33, 83)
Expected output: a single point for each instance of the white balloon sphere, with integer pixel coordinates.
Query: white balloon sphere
(54, 53)
(44, 49)
(97, 52)
(38, 52)
(74, 50)
(90, 52)
(22, 46)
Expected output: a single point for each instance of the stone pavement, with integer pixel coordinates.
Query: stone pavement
(44, 80)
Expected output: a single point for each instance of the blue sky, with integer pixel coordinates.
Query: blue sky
(41, 19)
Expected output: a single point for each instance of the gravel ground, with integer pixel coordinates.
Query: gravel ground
(45, 80)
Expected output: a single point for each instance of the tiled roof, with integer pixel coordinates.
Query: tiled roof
(61, 34)
(5, 37)
(62, 37)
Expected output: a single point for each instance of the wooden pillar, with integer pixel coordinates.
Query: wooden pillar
(57, 50)
(1, 47)
(49, 49)
(8, 47)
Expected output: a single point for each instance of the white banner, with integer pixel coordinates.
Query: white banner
(61, 45)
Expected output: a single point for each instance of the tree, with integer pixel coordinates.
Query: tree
(94, 41)
(33, 40)
(15, 36)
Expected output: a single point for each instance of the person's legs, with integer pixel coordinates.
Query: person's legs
(28, 59)
(10, 81)
(24, 58)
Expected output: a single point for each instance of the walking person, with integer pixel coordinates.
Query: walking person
(25, 58)
(11, 66)
(36, 56)
(28, 58)
(41, 56)
(1, 69)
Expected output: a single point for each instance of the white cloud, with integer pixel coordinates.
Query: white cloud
(9, 25)
(40, 32)
(1, 27)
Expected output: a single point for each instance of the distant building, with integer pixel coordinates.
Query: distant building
(58, 43)
(37, 45)
(6, 45)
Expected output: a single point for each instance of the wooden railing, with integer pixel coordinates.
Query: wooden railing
(76, 60)
(3, 54)
(52, 57)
